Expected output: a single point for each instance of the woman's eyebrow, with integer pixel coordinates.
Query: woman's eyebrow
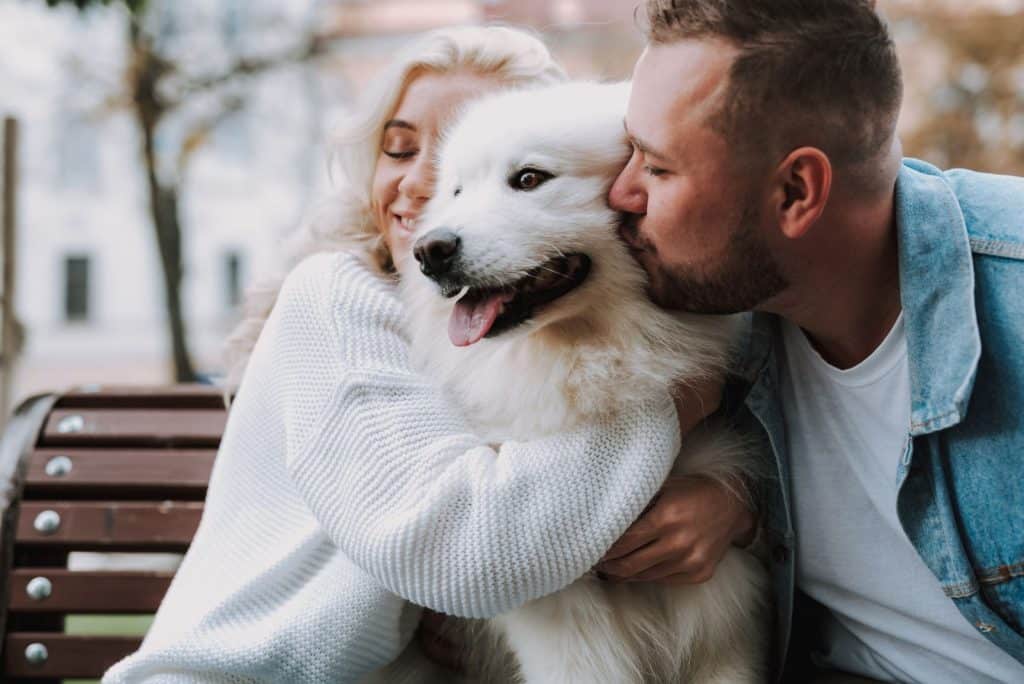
(399, 123)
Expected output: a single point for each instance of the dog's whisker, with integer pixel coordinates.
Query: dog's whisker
(544, 268)
(537, 276)
(555, 248)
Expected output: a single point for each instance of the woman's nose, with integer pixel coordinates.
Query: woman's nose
(418, 182)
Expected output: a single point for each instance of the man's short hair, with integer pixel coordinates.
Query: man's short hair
(809, 72)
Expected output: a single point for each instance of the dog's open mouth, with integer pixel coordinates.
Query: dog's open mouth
(486, 312)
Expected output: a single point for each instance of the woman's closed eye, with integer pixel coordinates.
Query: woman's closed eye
(400, 142)
(400, 154)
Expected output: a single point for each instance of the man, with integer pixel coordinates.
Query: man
(884, 363)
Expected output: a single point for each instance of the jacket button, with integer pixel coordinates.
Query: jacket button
(779, 553)
(984, 627)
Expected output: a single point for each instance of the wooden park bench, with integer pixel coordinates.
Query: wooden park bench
(97, 469)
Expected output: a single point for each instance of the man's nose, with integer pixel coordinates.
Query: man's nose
(626, 193)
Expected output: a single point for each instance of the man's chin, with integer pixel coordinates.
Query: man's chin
(674, 293)
(661, 290)
(671, 291)
(668, 300)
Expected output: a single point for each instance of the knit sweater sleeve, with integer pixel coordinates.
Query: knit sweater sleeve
(403, 487)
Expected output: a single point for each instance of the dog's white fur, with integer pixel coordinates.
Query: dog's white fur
(602, 346)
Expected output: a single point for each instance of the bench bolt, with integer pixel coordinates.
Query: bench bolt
(58, 466)
(68, 424)
(39, 588)
(47, 522)
(36, 653)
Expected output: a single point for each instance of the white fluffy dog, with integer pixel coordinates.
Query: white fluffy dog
(548, 325)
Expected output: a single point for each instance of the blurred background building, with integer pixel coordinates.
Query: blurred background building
(245, 93)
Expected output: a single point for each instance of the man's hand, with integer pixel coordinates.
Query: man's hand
(682, 535)
(692, 521)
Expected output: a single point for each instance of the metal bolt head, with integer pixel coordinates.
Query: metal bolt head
(69, 424)
(36, 653)
(47, 522)
(58, 466)
(39, 588)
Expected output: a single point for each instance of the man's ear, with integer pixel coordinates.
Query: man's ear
(803, 183)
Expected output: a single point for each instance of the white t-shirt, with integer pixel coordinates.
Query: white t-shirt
(846, 432)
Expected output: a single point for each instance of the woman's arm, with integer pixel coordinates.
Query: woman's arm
(416, 500)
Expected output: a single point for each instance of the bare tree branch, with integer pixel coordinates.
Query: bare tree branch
(200, 132)
(314, 47)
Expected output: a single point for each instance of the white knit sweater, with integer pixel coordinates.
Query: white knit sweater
(347, 493)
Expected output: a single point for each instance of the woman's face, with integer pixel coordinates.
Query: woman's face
(404, 178)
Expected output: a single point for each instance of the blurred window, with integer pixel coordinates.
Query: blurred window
(233, 279)
(231, 22)
(76, 288)
(78, 154)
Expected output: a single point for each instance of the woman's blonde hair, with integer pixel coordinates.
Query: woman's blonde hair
(345, 221)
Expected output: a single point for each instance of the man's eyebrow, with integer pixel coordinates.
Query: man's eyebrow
(644, 147)
(399, 123)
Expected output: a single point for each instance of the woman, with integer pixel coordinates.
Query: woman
(346, 493)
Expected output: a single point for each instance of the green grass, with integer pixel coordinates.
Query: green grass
(107, 625)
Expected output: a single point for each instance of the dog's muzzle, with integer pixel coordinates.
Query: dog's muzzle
(437, 252)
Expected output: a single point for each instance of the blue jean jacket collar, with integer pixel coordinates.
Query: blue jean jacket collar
(937, 293)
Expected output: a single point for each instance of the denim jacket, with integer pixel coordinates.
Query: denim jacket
(960, 481)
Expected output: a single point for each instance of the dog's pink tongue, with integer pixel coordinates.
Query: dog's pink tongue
(472, 318)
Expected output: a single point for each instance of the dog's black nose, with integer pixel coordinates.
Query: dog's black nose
(436, 251)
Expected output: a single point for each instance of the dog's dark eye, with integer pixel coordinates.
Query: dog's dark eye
(528, 179)
(457, 192)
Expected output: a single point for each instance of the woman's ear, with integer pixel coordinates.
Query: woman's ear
(803, 183)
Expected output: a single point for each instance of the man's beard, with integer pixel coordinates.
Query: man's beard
(747, 276)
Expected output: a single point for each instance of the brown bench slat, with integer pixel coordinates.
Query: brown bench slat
(68, 656)
(98, 427)
(89, 592)
(108, 473)
(169, 525)
(135, 396)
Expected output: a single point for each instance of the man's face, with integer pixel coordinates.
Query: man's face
(694, 212)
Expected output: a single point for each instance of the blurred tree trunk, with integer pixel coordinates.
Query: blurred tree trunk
(147, 68)
(150, 103)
